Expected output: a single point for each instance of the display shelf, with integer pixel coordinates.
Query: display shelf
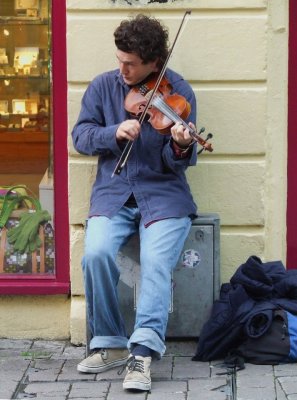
(4, 77)
(23, 136)
(23, 115)
(24, 90)
(23, 21)
(24, 152)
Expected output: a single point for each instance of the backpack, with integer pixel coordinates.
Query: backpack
(275, 346)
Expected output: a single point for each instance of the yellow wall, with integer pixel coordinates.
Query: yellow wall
(27, 317)
(234, 54)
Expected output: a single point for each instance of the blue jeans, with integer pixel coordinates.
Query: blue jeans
(160, 246)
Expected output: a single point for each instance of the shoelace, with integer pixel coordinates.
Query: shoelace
(101, 351)
(132, 364)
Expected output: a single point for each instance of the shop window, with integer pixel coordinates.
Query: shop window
(32, 88)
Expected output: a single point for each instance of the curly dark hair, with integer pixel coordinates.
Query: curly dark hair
(144, 36)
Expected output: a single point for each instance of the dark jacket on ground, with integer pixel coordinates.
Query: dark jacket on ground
(246, 305)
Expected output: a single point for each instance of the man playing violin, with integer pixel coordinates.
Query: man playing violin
(150, 196)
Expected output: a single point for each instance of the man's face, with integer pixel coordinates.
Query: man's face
(132, 68)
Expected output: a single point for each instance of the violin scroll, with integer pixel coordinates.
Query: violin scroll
(204, 142)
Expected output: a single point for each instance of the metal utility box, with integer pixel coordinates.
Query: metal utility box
(195, 281)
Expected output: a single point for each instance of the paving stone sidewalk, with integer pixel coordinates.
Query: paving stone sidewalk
(46, 370)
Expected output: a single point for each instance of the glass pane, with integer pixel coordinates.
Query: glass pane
(26, 137)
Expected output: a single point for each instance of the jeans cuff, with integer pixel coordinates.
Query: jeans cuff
(148, 338)
(108, 342)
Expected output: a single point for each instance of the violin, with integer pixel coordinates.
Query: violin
(165, 108)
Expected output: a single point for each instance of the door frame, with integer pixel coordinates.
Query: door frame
(292, 140)
(60, 282)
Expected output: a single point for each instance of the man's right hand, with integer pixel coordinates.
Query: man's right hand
(128, 130)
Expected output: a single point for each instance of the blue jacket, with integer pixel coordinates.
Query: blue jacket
(154, 173)
(245, 307)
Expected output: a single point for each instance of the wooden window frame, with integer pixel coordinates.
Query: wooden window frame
(292, 141)
(58, 283)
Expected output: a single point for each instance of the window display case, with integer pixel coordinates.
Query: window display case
(33, 133)
(25, 88)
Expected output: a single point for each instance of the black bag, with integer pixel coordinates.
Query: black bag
(277, 345)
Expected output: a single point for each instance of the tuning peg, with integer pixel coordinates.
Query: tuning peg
(209, 136)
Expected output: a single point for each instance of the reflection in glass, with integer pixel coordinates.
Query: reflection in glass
(25, 124)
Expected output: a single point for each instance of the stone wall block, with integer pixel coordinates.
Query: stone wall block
(233, 190)
(237, 246)
(82, 173)
(75, 95)
(28, 317)
(236, 117)
(77, 234)
(78, 320)
(226, 48)
(163, 5)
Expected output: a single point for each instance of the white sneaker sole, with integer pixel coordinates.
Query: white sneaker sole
(137, 386)
(102, 368)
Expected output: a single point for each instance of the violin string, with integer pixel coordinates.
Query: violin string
(162, 106)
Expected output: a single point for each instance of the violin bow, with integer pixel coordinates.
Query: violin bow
(127, 149)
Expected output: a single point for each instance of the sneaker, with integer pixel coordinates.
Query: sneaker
(102, 360)
(138, 373)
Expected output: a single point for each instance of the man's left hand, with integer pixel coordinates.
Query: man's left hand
(181, 135)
